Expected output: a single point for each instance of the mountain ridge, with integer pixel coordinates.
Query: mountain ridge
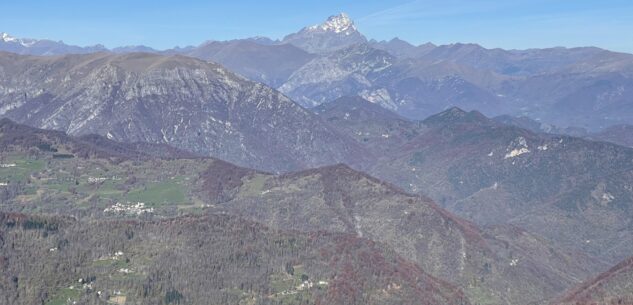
(151, 97)
(558, 86)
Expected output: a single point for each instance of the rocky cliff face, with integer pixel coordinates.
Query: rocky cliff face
(349, 71)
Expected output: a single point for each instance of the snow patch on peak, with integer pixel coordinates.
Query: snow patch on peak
(340, 23)
(7, 38)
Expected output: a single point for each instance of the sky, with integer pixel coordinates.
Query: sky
(509, 24)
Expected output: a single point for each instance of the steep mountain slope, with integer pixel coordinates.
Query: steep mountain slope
(493, 173)
(379, 130)
(21, 138)
(194, 260)
(412, 88)
(335, 33)
(184, 102)
(340, 199)
(612, 287)
(348, 71)
(573, 191)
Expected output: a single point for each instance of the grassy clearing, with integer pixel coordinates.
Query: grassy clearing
(285, 282)
(159, 193)
(114, 263)
(480, 296)
(21, 171)
(108, 189)
(254, 186)
(63, 295)
(89, 183)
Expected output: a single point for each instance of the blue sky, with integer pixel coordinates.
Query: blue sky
(162, 24)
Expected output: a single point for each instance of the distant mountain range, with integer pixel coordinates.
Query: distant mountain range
(28, 46)
(579, 87)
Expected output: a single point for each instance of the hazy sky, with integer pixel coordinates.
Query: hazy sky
(164, 24)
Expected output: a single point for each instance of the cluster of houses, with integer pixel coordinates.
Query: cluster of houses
(102, 179)
(138, 208)
(307, 284)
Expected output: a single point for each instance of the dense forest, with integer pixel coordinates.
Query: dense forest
(213, 259)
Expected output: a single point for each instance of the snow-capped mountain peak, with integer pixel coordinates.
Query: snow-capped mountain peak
(335, 33)
(340, 23)
(7, 38)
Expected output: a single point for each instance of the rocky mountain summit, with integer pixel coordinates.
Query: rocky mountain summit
(336, 32)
